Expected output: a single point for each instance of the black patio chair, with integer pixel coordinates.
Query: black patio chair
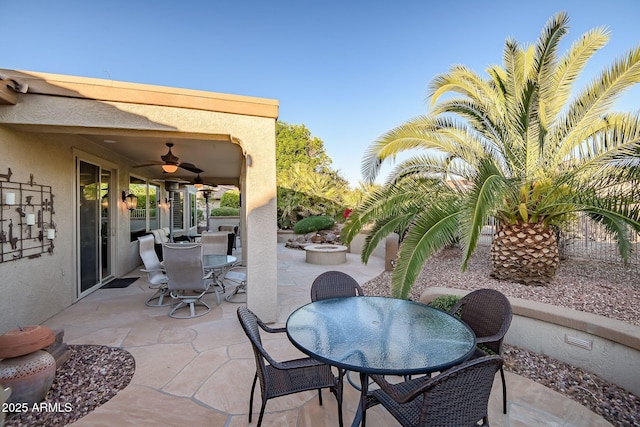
(488, 313)
(286, 377)
(458, 397)
(334, 284)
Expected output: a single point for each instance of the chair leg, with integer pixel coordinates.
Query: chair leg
(264, 403)
(159, 296)
(253, 388)
(504, 392)
(320, 395)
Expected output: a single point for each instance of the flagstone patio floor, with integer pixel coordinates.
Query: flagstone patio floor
(198, 372)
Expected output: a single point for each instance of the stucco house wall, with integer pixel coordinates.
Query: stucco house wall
(41, 134)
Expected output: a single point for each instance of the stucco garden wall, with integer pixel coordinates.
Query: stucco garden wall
(607, 347)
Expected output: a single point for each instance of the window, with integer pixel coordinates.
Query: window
(146, 215)
(178, 210)
(194, 210)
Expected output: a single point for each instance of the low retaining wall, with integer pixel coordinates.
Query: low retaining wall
(607, 347)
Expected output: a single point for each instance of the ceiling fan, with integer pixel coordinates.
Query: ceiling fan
(170, 163)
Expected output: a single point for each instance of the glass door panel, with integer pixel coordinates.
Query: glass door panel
(94, 219)
(89, 225)
(105, 224)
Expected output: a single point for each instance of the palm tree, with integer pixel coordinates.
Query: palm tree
(514, 146)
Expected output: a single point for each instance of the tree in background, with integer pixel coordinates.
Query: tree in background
(294, 144)
(306, 183)
(231, 199)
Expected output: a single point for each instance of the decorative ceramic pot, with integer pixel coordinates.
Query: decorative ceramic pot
(25, 340)
(4, 395)
(29, 376)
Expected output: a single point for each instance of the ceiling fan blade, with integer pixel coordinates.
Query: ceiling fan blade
(147, 164)
(190, 167)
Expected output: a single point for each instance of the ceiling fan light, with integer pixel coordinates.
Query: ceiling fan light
(168, 168)
(198, 183)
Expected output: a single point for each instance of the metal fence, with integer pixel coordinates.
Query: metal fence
(583, 239)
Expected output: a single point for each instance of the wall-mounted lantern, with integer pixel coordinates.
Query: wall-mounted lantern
(130, 200)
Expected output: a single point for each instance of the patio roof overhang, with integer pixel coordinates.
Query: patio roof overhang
(220, 156)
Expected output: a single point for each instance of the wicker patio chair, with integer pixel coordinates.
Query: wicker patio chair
(286, 377)
(458, 397)
(334, 284)
(488, 313)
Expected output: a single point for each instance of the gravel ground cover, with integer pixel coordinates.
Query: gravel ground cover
(92, 375)
(610, 290)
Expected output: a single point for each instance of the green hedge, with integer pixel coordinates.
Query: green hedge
(313, 223)
(230, 199)
(227, 211)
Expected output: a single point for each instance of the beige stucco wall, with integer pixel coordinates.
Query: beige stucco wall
(35, 289)
(39, 135)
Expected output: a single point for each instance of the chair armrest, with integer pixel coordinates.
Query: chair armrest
(306, 362)
(269, 329)
(406, 391)
(151, 270)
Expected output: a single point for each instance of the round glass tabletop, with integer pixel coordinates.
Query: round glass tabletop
(377, 335)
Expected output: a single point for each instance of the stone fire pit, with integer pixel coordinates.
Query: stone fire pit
(326, 254)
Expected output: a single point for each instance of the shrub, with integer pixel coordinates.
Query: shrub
(444, 302)
(230, 199)
(313, 223)
(227, 211)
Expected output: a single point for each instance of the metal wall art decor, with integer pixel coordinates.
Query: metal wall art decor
(27, 229)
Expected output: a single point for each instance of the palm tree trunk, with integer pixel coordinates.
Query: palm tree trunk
(525, 253)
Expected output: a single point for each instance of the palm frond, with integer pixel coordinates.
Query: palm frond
(547, 47)
(556, 90)
(481, 201)
(599, 96)
(433, 229)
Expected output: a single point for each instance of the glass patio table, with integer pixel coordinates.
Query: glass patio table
(217, 263)
(377, 335)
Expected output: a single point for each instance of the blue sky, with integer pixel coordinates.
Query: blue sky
(348, 70)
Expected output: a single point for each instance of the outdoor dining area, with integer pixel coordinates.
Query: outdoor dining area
(202, 370)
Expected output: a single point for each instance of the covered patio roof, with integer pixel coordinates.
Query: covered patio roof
(220, 162)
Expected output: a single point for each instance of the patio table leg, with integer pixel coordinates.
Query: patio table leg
(361, 414)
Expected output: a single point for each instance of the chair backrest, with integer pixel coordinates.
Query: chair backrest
(183, 265)
(460, 395)
(215, 242)
(229, 228)
(334, 284)
(488, 312)
(150, 259)
(161, 235)
(249, 322)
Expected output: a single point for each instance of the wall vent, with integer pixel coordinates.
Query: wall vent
(579, 342)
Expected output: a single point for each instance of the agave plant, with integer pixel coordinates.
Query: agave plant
(515, 146)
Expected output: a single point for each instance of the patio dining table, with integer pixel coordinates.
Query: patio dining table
(377, 335)
(217, 263)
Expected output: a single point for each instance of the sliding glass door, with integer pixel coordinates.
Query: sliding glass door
(94, 218)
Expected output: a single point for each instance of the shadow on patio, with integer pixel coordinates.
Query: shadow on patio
(198, 372)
